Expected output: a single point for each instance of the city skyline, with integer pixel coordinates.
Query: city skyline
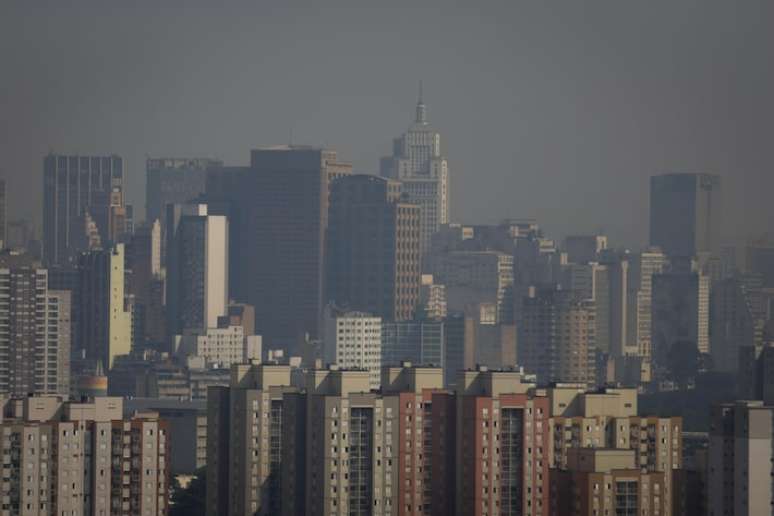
(518, 127)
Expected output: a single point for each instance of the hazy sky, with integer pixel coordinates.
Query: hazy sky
(553, 110)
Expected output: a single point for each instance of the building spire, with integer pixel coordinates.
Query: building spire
(421, 117)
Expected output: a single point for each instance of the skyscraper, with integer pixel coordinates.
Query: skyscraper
(197, 276)
(34, 330)
(78, 190)
(685, 212)
(278, 215)
(373, 248)
(418, 163)
(105, 324)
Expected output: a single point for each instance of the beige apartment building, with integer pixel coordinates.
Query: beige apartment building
(606, 481)
(78, 459)
(607, 419)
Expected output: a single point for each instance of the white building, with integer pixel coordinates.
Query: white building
(417, 162)
(220, 346)
(353, 340)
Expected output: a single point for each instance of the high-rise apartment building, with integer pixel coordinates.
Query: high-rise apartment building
(34, 330)
(105, 319)
(685, 212)
(221, 346)
(475, 277)
(490, 447)
(173, 181)
(740, 459)
(278, 215)
(83, 458)
(607, 481)
(373, 256)
(353, 340)
(197, 272)
(350, 451)
(417, 162)
(558, 337)
(608, 419)
(78, 190)
(245, 441)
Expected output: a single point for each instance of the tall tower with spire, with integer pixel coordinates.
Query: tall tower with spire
(417, 162)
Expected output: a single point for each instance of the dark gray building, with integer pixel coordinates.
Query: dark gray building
(278, 215)
(685, 213)
(77, 189)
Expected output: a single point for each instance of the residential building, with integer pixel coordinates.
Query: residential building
(740, 459)
(83, 458)
(417, 162)
(490, 446)
(34, 330)
(685, 212)
(558, 337)
(221, 346)
(76, 190)
(246, 439)
(373, 255)
(643, 266)
(353, 340)
(278, 215)
(607, 481)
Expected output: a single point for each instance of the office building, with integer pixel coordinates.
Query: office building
(278, 215)
(582, 249)
(490, 446)
(475, 277)
(417, 162)
(353, 340)
(34, 330)
(78, 190)
(245, 441)
(105, 319)
(197, 273)
(558, 337)
(372, 253)
(173, 181)
(421, 341)
(680, 314)
(607, 481)
(740, 459)
(685, 211)
(83, 458)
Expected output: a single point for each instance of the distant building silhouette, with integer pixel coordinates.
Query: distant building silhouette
(77, 189)
(685, 213)
(278, 215)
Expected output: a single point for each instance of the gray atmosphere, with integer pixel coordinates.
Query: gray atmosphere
(553, 110)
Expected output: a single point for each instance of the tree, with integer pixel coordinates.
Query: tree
(190, 501)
